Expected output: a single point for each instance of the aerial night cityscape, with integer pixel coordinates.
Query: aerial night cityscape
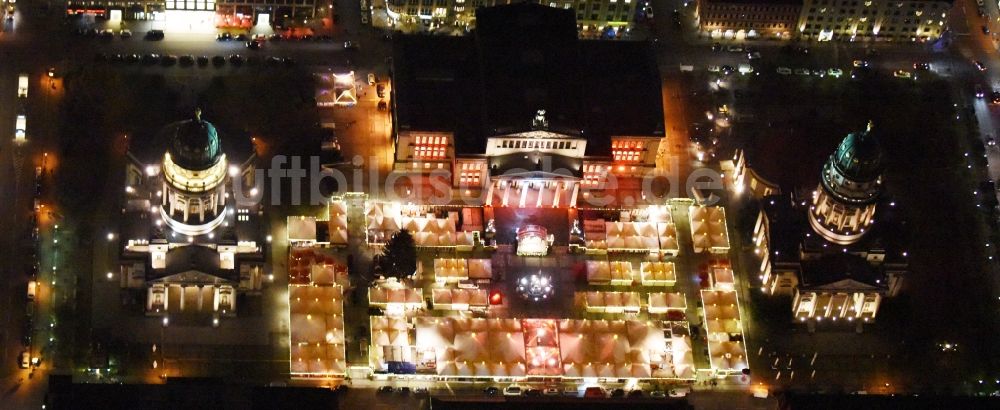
(500, 204)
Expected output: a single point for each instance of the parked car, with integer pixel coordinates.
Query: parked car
(735, 49)
(371, 79)
(802, 71)
(617, 393)
(236, 59)
(980, 93)
(125, 34)
(224, 37)
(784, 70)
(861, 63)
(22, 85)
(218, 61)
(533, 392)
(986, 30)
(168, 60)
(714, 69)
(154, 35)
(595, 391)
(403, 391)
(385, 389)
(421, 391)
(187, 60)
(132, 58)
(921, 66)
(380, 90)
(657, 394)
(835, 72)
(754, 55)
(24, 360)
(680, 391)
(253, 45)
(350, 45)
(512, 391)
(202, 61)
(902, 74)
(635, 393)
(995, 97)
(979, 65)
(550, 391)
(242, 37)
(491, 391)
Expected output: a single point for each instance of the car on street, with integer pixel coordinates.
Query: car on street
(533, 392)
(364, 18)
(187, 60)
(22, 85)
(979, 65)
(218, 61)
(132, 58)
(421, 391)
(550, 391)
(716, 47)
(921, 66)
(380, 90)
(403, 391)
(236, 59)
(835, 72)
(727, 69)
(784, 70)
(168, 60)
(242, 37)
(20, 127)
(491, 391)
(371, 79)
(253, 45)
(995, 97)
(745, 69)
(385, 390)
(512, 391)
(980, 93)
(202, 61)
(224, 37)
(350, 45)
(735, 49)
(154, 35)
(713, 69)
(32, 289)
(986, 30)
(860, 63)
(802, 71)
(635, 393)
(107, 34)
(594, 392)
(617, 393)
(679, 391)
(819, 72)
(753, 55)
(902, 74)
(24, 360)
(125, 34)
(657, 394)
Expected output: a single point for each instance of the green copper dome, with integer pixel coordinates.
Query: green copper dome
(859, 156)
(194, 143)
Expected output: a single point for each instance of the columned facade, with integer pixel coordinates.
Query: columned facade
(843, 205)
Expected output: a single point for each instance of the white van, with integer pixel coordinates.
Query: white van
(20, 128)
(22, 86)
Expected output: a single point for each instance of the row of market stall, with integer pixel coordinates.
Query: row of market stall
(385, 219)
(621, 273)
(632, 302)
(316, 331)
(491, 348)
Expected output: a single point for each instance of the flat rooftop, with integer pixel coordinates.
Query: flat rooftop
(524, 58)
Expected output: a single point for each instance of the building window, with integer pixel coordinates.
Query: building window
(471, 173)
(427, 147)
(627, 151)
(592, 175)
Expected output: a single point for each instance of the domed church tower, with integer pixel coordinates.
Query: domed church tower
(843, 205)
(195, 175)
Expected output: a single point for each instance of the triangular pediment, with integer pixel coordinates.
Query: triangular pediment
(192, 277)
(845, 285)
(535, 134)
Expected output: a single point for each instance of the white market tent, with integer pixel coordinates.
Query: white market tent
(666, 302)
(708, 228)
(316, 330)
(657, 274)
(598, 272)
(338, 223)
(612, 302)
(480, 269)
(450, 270)
(395, 296)
(724, 328)
(621, 273)
(632, 237)
(459, 299)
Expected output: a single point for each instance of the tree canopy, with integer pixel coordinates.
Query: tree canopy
(399, 257)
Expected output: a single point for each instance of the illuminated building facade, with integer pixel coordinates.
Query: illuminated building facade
(502, 115)
(772, 19)
(190, 231)
(873, 20)
(843, 205)
(608, 18)
(824, 248)
(824, 20)
(228, 13)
